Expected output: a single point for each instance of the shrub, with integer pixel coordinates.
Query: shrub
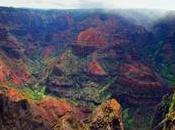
(36, 94)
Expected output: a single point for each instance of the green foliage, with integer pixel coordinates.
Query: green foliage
(172, 104)
(154, 51)
(165, 104)
(35, 66)
(166, 73)
(70, 63)
(127, 119)
(91, 94)
(49, 60)
(35, 94)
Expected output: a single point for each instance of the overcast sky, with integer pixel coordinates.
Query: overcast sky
(109, 4)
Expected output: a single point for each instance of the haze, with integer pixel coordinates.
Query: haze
(86, 4)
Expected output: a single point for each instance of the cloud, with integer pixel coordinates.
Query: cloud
(98, 3)
(110, 4)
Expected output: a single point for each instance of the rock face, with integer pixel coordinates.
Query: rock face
(95, 68)
(105, 117)
(92, 37)
(165, 113)
(27, 114)
(139, 75)
(164, 58)
(11, 46)
(70, 122)
(16, 75)
(56, 114)
(108, 116)
(144, 85)
(24, 113)
(19, 116)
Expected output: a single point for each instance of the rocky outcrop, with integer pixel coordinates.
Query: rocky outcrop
(18, 116)
(14, 75)
(70, 122)
(4, 71)
(19, 113)
(105, 117)
(137, 84)
(12, 47)
(164, 115)
(92, 37)
(139, 76)
(94, 68)
(51, 109)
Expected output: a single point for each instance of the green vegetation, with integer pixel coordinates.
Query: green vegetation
(35, 94)
(91, 94)
(172, 103)
(35, 66)
(127, 119)
(70, 63)
(153, 52)
(166, 72)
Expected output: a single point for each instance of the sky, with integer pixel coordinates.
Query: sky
(106, 4)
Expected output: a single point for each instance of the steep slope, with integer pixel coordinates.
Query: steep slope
(164, 114)
(54, 114)
(164, 54)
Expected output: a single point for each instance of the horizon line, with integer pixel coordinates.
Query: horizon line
(119, 8)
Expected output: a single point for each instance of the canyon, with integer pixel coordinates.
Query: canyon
(85, 69)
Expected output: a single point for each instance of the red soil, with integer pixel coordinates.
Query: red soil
(139, 76)
(95, 68)
(17, 76)
(92, 37)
